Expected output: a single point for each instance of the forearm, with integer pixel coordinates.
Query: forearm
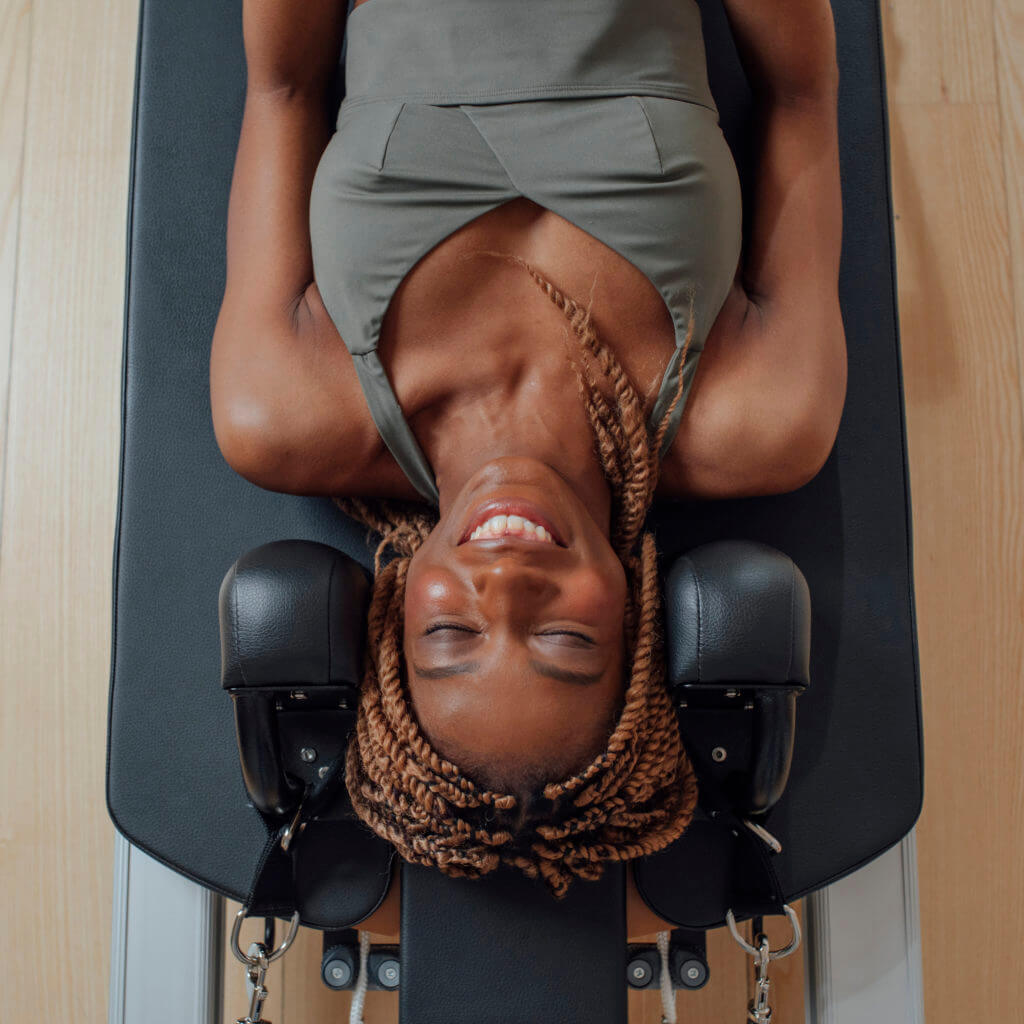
(259, 367)
(788, 47)
(291, 51)
(269, 262)
(792, 250)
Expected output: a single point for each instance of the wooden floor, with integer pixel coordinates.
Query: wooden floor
(956, 80)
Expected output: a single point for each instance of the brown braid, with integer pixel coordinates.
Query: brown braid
(634, 798)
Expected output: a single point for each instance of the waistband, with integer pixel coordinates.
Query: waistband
(501, 51)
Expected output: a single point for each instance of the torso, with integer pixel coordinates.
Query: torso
(479, 338)
(453, 313)
(474, 346)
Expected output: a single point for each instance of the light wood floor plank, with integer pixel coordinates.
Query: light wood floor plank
(939, 50)
(15, 39)
(963, 393)
(308, 998)
(60, 480)
(1009, 34)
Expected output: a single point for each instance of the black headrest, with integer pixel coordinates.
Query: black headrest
(737, 611)
(304, 618)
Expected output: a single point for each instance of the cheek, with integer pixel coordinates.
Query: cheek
(600, 593)
(429, 588)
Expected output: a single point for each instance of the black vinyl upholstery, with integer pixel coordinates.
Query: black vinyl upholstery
(503, 951)
(173, 781)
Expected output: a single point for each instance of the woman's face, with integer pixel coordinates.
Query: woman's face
(514, 643)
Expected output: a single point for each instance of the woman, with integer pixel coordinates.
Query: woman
(474, 317)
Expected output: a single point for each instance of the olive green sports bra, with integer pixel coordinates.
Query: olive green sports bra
(598, 110)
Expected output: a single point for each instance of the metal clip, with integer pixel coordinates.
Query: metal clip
(295, 827)
(256, 962)
(759, 1011)
(764, 835)
(775, 954)
(256, 974)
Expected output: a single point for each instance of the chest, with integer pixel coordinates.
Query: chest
(468, 323)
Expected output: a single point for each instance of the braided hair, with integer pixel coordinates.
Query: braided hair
(636, 796)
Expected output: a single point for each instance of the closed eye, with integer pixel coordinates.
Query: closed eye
(441, 627)
(445, 626)
(569, 632)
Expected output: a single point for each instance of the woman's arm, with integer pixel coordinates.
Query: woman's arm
(769, 391)
(276, 357)
(291, 51)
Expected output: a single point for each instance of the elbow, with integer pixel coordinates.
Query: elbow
(809, 420)
(254, 447)
(242, 443)
(804, 458)
(774, 432)
(252, 423)
(768, 455)
(798, 453)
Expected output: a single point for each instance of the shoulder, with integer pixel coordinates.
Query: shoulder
(289, 414)
(695, 464)
(764, 407)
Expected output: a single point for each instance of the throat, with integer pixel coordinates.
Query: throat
(524, 418)
(488, 374)
(482, 359)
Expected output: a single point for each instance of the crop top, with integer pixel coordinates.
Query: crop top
(598, 110)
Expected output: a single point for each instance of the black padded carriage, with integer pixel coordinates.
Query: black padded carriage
(173, 781)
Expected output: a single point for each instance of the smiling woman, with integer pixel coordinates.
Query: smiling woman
(530, 654)
(537, 624)
(484, 298)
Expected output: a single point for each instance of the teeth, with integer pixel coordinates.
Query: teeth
(511, 526)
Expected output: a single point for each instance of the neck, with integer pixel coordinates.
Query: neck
(515, 393)
(463, 452)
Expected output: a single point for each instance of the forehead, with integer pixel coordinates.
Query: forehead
(508, 715)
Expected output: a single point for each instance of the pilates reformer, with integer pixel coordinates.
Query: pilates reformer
(789, 620)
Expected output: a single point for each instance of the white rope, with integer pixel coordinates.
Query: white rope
(355, 1013)
(668, 995)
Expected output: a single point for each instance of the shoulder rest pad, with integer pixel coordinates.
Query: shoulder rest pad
(293, 611)
(737, 611)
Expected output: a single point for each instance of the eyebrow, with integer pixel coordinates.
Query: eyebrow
(562, 675)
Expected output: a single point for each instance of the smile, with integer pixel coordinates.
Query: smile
(516, 518)
(511, 526)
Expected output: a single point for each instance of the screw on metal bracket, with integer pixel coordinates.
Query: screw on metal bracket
(639, 974)
(389, 974)
(337, 973)
(692, 973)
(687, 964)
(340, 963)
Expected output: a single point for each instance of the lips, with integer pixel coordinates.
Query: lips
(510, 507)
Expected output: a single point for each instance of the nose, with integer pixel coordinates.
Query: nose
(508, 581)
